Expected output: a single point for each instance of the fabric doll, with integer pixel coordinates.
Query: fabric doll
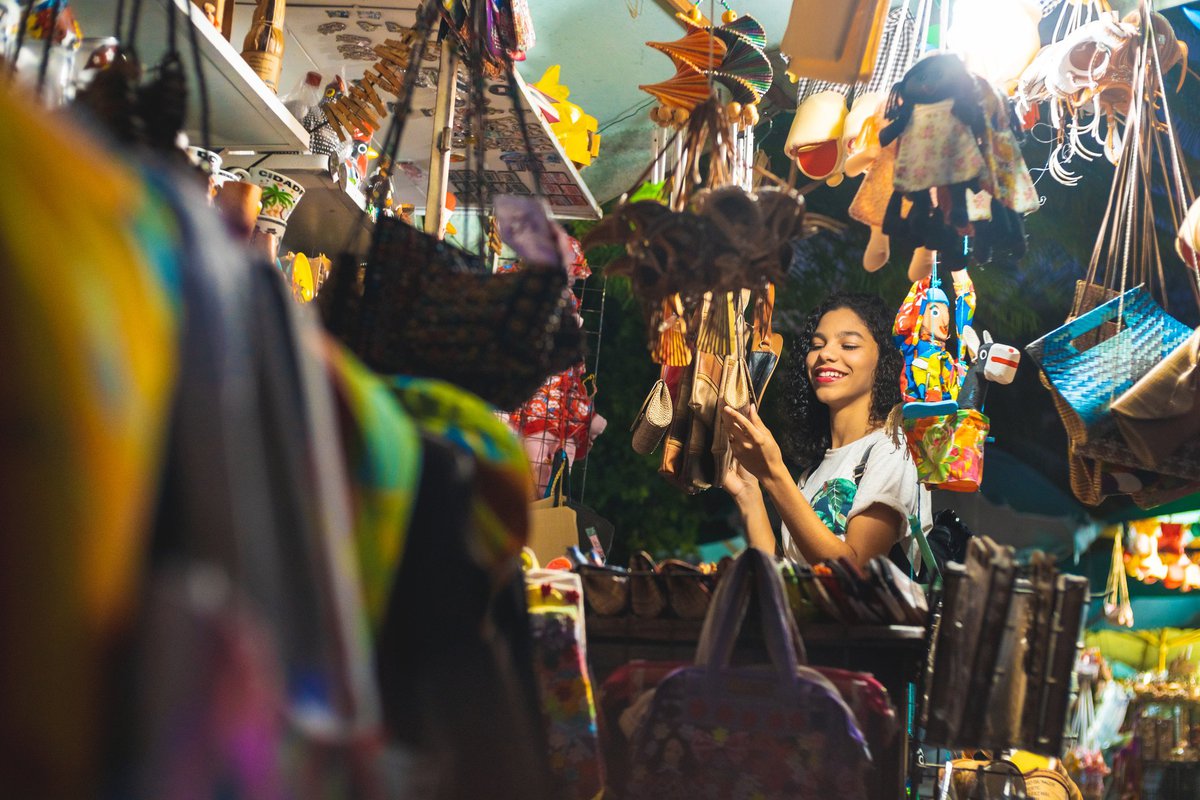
(561, 415)
(932, 376)
(937, 118)
(1007, 193)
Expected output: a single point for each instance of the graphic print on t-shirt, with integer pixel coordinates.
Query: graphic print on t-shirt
(833, 502)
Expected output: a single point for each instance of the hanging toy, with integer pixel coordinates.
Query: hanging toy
(575, 130)
(929, 385)
(356, 156)
(958, 175)
(379, 191)
(943, 395)
(994, 363)
(322, 136)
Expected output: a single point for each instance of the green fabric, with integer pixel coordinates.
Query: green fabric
(500, 526)
(833, 502)
(384, 453)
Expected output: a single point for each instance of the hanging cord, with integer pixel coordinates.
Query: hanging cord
(44, 66)
(201, 83)
(135, 15)
(1182, 181)
(426, 15)
(172, 39)
(943, 24)
(22, 25)
(474, 121)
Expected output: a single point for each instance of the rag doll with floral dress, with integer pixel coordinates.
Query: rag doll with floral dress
(949, 169)
(561, 416)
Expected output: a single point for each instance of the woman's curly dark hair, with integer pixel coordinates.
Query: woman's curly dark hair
(807, 437)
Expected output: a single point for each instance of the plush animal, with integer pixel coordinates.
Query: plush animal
(994, 363)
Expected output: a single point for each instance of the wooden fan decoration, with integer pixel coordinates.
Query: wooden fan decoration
(698, 50)
(745, 28)
(730, 54)
(686, 90)
(745, 71)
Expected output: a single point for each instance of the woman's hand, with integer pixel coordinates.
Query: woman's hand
(754, 448)
(740, 484)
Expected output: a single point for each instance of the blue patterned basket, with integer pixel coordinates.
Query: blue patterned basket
(1089, 379)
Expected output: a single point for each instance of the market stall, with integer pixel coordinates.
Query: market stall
(304, 315)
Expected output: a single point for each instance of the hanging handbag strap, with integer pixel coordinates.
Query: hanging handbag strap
(753, 572)
(917, 530)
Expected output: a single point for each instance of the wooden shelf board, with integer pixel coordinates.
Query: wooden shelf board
(244, 113)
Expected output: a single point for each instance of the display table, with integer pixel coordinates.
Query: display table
(895, 655)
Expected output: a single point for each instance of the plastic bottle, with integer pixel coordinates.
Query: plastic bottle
(305, 96)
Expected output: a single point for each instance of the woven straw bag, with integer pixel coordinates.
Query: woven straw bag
(653, 420)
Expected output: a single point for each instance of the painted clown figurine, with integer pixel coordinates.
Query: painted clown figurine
(932, 376)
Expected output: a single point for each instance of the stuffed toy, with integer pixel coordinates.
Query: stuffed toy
(948, 173)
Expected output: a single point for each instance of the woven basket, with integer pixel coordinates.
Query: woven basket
(688, 589)
(1088, 363)
(606, 591)
(646, 587)
(1090, 378)
(653, 420)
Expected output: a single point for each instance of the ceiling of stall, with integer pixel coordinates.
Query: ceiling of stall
(600, 45)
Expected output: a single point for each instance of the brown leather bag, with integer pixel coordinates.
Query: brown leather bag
(674, 448)
(737, 392)
(700, 468)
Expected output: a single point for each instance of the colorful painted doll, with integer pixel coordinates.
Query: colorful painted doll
(932, 375)
(944, 421)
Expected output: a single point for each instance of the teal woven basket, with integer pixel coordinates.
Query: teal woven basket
(1089, 379)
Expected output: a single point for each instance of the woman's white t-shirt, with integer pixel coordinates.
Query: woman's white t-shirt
(889, 477)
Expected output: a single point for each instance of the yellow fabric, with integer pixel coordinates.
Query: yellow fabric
(88, 360)
(384, 466)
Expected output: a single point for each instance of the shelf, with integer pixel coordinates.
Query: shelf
(330, 218)
(686, 630)
(244, 113)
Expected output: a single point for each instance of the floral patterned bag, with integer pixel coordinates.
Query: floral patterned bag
(555, 602)
(948, 449)
(778, 730)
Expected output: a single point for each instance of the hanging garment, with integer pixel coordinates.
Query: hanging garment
(454, 656)
(500, 513)
(1007, 176)
(211, 714)
(89, 322)
(253, 485)
(383, 454)
(937, 149)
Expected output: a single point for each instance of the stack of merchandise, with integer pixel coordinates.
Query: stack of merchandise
(1004, 653)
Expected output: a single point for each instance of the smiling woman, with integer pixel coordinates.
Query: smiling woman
(859, 497)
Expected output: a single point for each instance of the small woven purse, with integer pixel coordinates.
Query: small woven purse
(653, 420)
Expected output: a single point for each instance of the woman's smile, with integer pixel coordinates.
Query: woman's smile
(841, 359)
(827, 375)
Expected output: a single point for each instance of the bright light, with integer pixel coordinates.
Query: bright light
(996, 38)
